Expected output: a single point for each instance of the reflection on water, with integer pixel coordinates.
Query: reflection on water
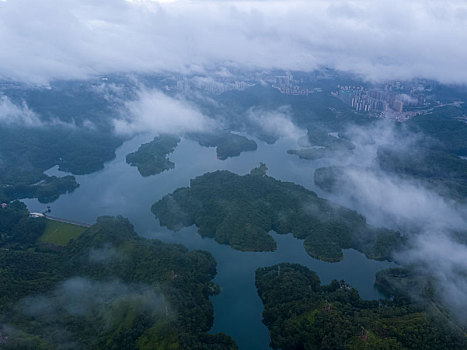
(119, 189)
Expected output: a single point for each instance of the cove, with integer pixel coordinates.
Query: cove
(120, 189)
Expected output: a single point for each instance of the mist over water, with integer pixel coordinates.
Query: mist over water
(431, 222)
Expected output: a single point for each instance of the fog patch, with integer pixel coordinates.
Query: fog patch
(17, 115)
(106, 305)
(434, 225)
(80, 296)
(102, 255)
(274, 124)
(20, 115)
(383, 133)
(404, 203)
(442, 257)
(155, 112)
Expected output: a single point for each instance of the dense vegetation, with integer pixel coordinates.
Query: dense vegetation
(79, 151)
(68, 126)
(107, 289)
(436, 158)
(327, 178)
(302, 314)
(17, 229)
(442, 171)
(151, 158)
(48, 189)
(25, 153)
(241, 210)
(447, 126)
(313, 153)
(227, 144)
(438, 143)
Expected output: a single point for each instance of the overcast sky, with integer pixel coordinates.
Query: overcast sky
(42, 40)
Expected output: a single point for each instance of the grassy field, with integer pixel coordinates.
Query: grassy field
(60, 233)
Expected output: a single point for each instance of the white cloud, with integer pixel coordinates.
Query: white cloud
(429, 220)
(444, 259)
(404, 203)
(275, 123)
(18, 115)
(155, 112)
(41, 40)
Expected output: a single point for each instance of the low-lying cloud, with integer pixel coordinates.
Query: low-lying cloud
(17, 115)
(105, 305)
(80, 296)
(442, 257)
(431, 222)
(20, 115)
(389, 39)
(404, 203)
(274, 124)
(155, 112)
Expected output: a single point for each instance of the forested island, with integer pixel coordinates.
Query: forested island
(241, 210)
(323, 144)
(152, 158)
(303, 314)
(107, 289)
(227, 144)
(311, 153)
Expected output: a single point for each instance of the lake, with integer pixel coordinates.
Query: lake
(120, 189)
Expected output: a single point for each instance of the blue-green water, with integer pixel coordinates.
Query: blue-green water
(120, 189)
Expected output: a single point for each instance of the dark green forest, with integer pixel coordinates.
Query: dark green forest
(303, 314)
(227, 144)
(25, 153)
(108, 289)
(73, 133)
(152, 158)
(241, 210)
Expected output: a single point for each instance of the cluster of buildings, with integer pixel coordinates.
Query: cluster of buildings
(213, 86)
(287, 85)
(387, 100)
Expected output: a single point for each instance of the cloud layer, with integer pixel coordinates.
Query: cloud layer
(396, 39)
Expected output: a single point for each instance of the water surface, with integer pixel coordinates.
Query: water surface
(120, 189)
